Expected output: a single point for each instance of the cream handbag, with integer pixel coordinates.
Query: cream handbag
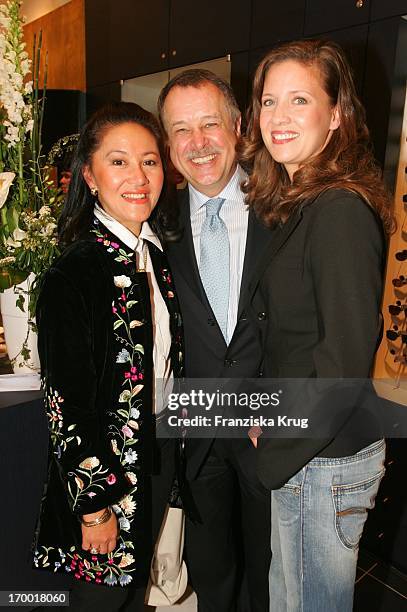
(168, 573)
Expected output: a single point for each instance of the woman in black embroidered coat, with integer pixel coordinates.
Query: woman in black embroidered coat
(96, 347)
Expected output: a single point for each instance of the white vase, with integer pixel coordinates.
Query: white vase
(16, 329)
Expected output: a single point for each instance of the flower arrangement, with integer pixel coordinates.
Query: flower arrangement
(29, 201)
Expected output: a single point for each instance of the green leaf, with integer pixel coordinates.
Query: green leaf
(20, 302)
(117, 324)
(25, 353)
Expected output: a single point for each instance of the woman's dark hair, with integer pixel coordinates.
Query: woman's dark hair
(77, 214)
(347, 160)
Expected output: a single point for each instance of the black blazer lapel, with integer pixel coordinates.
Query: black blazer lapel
(278, 237)
(258, 240)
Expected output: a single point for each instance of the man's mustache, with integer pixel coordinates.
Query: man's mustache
(202, 153)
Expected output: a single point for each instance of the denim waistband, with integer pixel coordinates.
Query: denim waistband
(365, 453)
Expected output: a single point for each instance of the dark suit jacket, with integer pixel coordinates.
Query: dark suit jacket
(320, 283)
(206, 353)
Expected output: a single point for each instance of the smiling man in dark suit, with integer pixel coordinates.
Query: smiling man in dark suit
(212, 263)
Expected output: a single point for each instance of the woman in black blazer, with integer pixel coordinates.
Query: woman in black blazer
(109, 327)
(314, 182)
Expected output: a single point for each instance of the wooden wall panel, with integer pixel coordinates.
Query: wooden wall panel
(63, 37)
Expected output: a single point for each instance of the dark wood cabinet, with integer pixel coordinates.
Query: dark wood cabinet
(207, 31)
(239, 79)
(102, 94)
(321, 17)
(58, 124)
(97, 41)
(385, 532)
(388, 8)
(129, 39)
(274, 21)
(353, 41)
(125, 40)
(384, 88)
(140, 44)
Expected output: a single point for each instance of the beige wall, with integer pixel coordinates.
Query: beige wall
(33, 9)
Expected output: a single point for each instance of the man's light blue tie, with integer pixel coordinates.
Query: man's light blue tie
(214, 262)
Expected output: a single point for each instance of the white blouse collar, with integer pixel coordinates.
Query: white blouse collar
(124, 234)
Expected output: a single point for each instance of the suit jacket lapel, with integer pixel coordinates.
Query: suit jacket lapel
(183, 252)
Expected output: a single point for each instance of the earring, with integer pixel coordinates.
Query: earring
(94, 191)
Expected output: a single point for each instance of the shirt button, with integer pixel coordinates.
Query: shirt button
(261, 316)
(230, 362)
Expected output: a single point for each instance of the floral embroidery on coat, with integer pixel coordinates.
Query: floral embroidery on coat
(91, 477)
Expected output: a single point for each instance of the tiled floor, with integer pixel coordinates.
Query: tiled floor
(379, 588)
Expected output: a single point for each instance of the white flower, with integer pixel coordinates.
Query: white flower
(122, 281)
(6, 261)
(130, 456)
(135, 413)
(127, 504)
(50, 228)
(124, 524)
(6, 178)
(123, 356)
(44, 211)
(16, 238)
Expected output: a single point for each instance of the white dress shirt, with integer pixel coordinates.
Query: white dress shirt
(235, 214)
(163, 376)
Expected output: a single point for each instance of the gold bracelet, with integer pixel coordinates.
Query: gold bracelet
(103, 518)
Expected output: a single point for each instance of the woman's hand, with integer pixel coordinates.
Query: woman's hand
(254, 433)
(102, 538)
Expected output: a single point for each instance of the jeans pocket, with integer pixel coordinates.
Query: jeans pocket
(351, 503)
(288, 500)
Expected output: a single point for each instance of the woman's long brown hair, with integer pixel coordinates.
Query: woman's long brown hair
(347, 161)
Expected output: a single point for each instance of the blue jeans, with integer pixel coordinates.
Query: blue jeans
(317, 520)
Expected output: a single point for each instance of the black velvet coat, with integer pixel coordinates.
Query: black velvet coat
(95, 345)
